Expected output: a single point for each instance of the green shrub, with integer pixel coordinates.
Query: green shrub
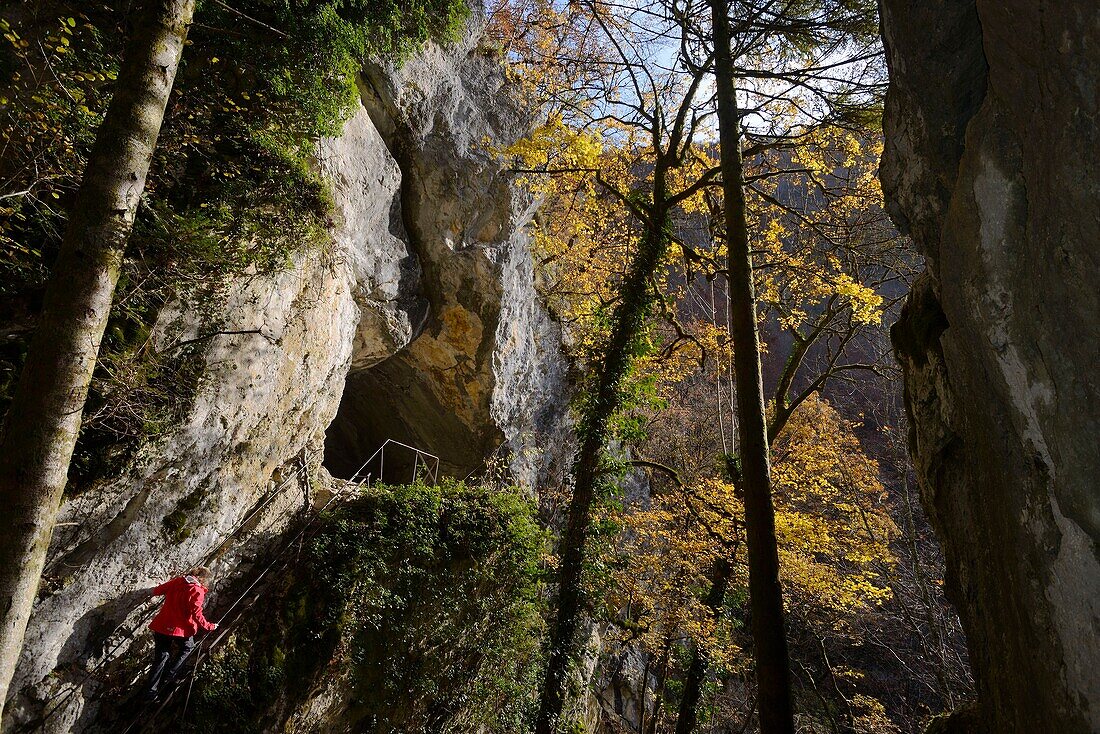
(424, 603)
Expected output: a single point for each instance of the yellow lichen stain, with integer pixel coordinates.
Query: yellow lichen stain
(461, 328)
(448, 358)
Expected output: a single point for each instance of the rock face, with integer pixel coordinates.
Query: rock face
(992, 162)
(484, 373)
(422, 324)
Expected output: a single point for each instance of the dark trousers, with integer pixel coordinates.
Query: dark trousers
(169, 655)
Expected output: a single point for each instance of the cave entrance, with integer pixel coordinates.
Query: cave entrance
(367, 421)
(392, 404)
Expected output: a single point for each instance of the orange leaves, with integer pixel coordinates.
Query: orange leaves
(831, 514)
(665, 556)
(821, 237)
(556, 149)
(553, 49)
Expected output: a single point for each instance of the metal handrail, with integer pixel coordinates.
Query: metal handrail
(223, 631)
(418, 456)
(430, 463)
(62, 698)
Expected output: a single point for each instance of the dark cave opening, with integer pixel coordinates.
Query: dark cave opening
(366, 419)
(394, 402)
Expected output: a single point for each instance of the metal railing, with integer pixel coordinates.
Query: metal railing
(425, 465)
(421, 459)
(226, 625)
(57, 702)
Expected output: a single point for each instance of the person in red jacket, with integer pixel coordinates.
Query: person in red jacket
(175, 625)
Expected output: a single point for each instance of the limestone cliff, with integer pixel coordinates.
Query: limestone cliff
(991, 164)
(421, 324)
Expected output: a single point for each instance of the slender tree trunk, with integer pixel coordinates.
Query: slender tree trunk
(688, 714)
(38, 436)
(659, 693)
(627, 326)
(773, 677)
(721, 574)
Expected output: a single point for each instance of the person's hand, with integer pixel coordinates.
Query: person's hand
(214, 627)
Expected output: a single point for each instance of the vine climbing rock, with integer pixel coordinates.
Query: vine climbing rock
(990, 163)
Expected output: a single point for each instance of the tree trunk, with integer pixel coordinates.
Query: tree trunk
(629, 321)
(721, 574)
(688, 714)
(38, 436)
(659, 693)
(765, 593)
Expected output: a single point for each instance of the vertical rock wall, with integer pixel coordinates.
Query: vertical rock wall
(264, 399)
(484, 372)
(422, 318)
(992, 163)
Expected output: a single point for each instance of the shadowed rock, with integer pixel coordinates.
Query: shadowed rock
(991, 164)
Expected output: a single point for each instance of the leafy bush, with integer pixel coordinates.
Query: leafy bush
(423, 603)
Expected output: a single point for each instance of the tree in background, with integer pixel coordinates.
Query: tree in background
(783, 126)
(752, 472)
(652, 123)
(822, 256)
(829, 269)
(777, 61)
(833, 529)
(641, 171)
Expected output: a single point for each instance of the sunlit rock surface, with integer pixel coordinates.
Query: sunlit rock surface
(422, 324)
(484, 373)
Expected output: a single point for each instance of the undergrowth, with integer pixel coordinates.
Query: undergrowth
(421, 604)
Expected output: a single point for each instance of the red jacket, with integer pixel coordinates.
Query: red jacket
(181, 615)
